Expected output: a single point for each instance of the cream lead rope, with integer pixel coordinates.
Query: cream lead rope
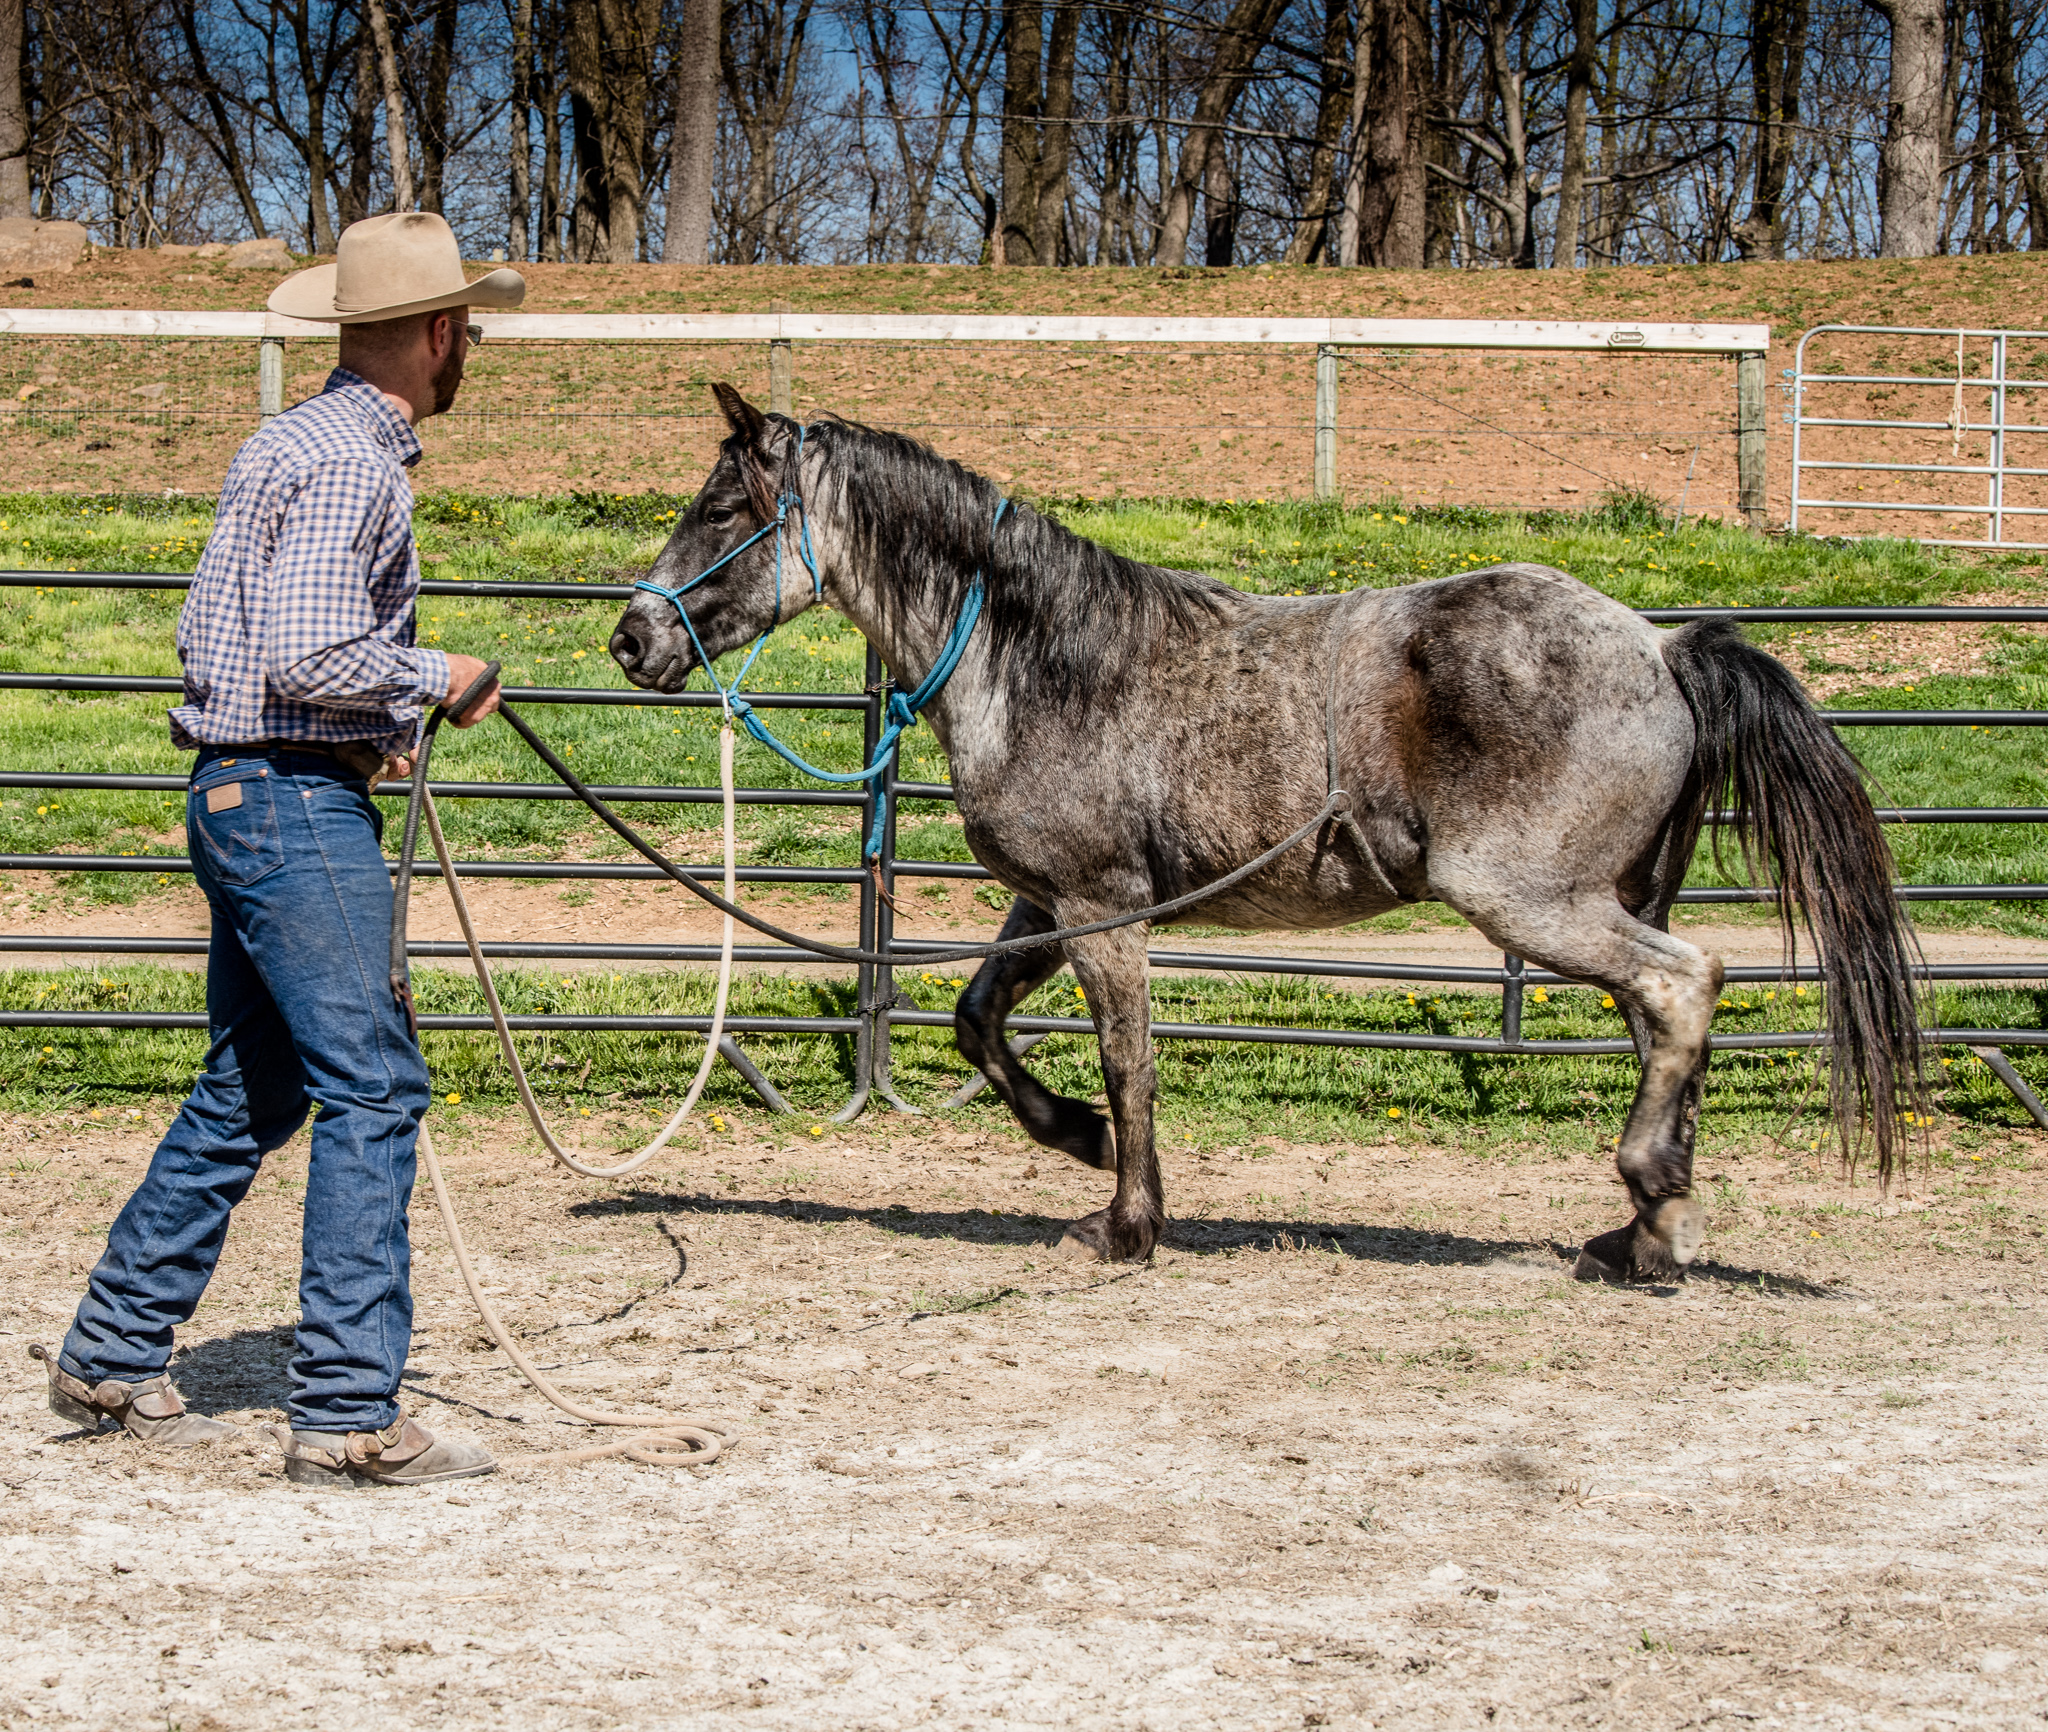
(657, 1437)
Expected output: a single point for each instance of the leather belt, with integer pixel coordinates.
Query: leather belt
(358, 757)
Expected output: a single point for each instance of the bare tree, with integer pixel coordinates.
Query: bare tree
(611, 76)
(2000, 48)
(519, 182)
(1390, 190)
(761, 60)
(394, 104)
(1571, 181)
(430, 103)
(14, 135)
(548, 80)
(353, 196)
(1232, 53)
(1313, 227)
(1909, 166)
(1038, 108)
(693, 144)
(1777, 54)
(969, 59)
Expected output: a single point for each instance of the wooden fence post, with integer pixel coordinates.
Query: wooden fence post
(1749, 437)
(781, 380)
(1326, 422)
(270, 378)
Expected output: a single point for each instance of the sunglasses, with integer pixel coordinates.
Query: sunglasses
(475, 334)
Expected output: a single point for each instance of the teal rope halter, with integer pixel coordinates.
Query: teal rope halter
(903, 707)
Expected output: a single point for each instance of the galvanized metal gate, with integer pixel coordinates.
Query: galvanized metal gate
(1971, 390)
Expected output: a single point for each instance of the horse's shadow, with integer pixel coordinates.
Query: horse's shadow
(1199, 1237)
(1203, 1236)
(249, 1367)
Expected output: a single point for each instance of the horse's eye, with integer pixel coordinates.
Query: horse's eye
(718, 516)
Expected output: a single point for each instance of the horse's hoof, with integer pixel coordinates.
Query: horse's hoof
(1605, 1258)
(1097, 1238)
(1087, 1240)
(1679, 1224)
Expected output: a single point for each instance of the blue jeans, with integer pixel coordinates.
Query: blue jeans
(298, 997)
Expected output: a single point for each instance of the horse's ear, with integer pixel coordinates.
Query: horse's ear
(740, 415)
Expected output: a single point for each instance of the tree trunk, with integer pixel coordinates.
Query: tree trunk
(1055, 134)
(1238, 42)
(394, 105)
(1391, 195)
(362, 133)
(1219, 208)
(692, 145)
(2001, 86)
(1909, 164)
(519, 187)
(1604, 245)
(1777, 56)
(315, 73)
(548, 79)
(433, 107)
(1355, 169)
(1571, 183)
(1023, 108)
(611, 72)
(14, 191)
(1312, 229)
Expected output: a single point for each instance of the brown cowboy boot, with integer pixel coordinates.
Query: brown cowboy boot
(152, 1411)
(403, 1453)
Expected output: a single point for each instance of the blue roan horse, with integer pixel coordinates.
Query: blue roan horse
(1514, 744)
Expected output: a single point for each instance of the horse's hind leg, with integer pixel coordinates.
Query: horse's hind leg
(1667, 988)
(998, 987)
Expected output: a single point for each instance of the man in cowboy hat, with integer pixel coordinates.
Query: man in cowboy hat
(303, 688)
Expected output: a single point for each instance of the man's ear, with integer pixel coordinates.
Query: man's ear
(764, 448)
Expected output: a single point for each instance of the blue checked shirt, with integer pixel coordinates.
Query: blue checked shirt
(299, 622)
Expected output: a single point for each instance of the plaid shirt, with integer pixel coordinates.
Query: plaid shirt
(299, 622)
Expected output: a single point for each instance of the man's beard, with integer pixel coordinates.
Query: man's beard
(449, 379)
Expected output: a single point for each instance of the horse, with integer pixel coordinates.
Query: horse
(1513, 744)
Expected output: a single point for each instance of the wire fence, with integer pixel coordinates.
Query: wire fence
(878, 1006)
(1493, 414)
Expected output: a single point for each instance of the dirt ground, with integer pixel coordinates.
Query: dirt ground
(1355, 1451)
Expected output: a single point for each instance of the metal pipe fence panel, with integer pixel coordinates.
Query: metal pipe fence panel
(1929, 433)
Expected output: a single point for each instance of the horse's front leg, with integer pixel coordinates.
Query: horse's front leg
(999, 985)
(1111, 968)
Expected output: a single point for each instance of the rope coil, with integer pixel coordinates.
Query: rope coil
(659, 1440)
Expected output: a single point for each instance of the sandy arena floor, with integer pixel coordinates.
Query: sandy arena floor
(1354, 1452)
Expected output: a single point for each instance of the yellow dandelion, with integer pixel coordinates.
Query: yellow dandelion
(817, 1130)
(454, 1100)
(1393, 1112)
(1607, 1001)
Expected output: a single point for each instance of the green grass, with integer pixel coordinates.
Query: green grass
(1212, 1093)
(1620, 546)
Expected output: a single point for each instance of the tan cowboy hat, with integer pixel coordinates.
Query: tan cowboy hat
(389, 266)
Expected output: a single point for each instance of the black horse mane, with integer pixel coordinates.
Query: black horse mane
(1066, 619)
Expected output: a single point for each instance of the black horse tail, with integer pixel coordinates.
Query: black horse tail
(1795, 799)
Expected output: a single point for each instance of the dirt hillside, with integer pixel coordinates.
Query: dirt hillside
(1492, 429)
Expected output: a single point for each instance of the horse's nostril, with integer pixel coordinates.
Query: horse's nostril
(625, 648)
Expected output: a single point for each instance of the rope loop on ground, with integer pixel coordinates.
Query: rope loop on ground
(658, 1440)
